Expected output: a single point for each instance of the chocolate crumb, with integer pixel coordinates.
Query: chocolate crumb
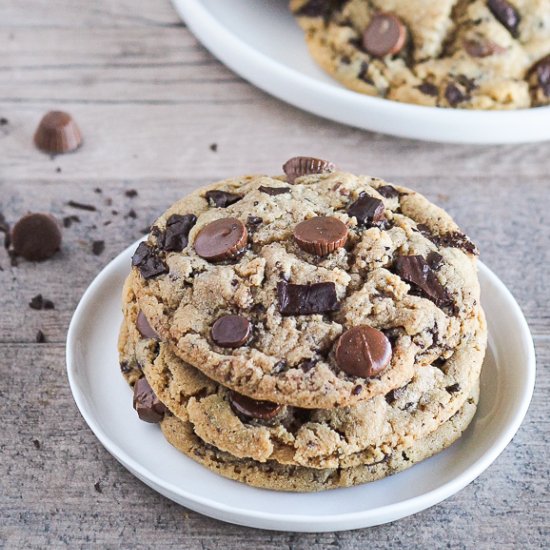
(36, 443)
(114, 212)
(4, 121)
(69, 220)
(98, 247)
(97, 487)
(131, 214)
(131, 193)
(38, 302)
(40, 337)
(82, 206)
(214, 147)
(98, 190)
(58, 169)
(453, 388)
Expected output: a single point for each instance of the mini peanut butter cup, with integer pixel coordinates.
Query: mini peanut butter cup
(57, 133)
(246, 406)
(221, 239)
(384, 35)
(321, 235)
(36, 237)
(144, 328)
(363, 351)
(231, 331)
(303, 166)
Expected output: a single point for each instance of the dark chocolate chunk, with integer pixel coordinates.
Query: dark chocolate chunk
(40, 337)
(542, 71)
(36, 237)
(415, 270)
(98, 247)
(453, 388)
(384, 35)
(481, 47)
(82, 206)
(36, 444)
(306, 299)
(319, 8)
(97, 487)
(388, 191)
(273, 190)
(253, 222)
(454, 95)
(145, 258)
(428, 88)
(506, 14)
(367, 210)
(57, 133)
(363, 351)
(456, 239)
(176, 234)
(307, 364)
(357, 389)
(434, 260)
(144, 328)
(69, 220)
(146, 403)
(321, 235)
(131, 214)
(131, 193)
(221, 239)
(303, 166)
(214, 147)
(221, 199)
(251, 408)
(231, 331)
(39, 302)
(364, 73)
(3, 121)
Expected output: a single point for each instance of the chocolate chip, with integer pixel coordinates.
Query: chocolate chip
(144, 328)
(40, 337)
(367, 210)
(38, 302)
(221, 239)
(69, 220)
(98, 247)
(481, 47)
(428, 88)
(454, 95)
(253, 222)
(176, 234)
(57, 133)
(273, 191)
(388, 191)
(306, 299)
(145, 258)
(541, 72)
(363, 73)
(231, 331)
(505, 14)
(251, 408)
(308, 364)
(357, 390)
(363, 351)
(415, 270)
(321, 235)
(146, 403)
(36, 237)
(453, 388)
(303, 166)
(131, 193)
(221, 199)
(384, 35)
(82, 206)
(434, 260)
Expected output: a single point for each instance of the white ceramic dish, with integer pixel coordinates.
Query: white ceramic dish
(259, 40)
(105, 401)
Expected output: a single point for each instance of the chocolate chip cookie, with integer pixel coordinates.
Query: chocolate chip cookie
(473, 54)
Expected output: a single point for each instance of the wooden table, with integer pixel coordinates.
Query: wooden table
(151, 103)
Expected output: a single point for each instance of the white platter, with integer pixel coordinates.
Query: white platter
(259, 40)
(105, 401)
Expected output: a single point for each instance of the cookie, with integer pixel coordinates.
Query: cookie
(480, 54)
(344, 437)
(403, 269)
(275, 476)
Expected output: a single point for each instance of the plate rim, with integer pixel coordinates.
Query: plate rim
(525, 125)
(327, 522)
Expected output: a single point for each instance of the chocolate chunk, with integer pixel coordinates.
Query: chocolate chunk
(57, 133)
(541, 72)
(481, 47)
(39, 302)
(384, 35)
(251, 408)
(428, 88)
(221, 239)
(36, 444)
(176, 234)
(131, 193)
(357, 390)
(221, 199)
(388, 191)
(214, 147)
(82, 206)
(3, 121)
(306, 299)
(98, 247)
(453, 388)
(434, 260)
(456, 239)
(131, 214)
(307, 364)
(505, 14)
(40, 337)
(303, 166)
(231, 331)
(364, 73)
(253, 222)
(273, 190)
(144, 328)
(367, 210)
(146, 403)
(415, 270)
(145, 258)
(319, 8)
(97, 487)
(454, 95)
(36, 237)
(321, 235)
(69, 220)
(363, 351)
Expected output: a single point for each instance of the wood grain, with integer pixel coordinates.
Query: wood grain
(150, 102)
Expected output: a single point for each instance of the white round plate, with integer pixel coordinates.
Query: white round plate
(259, 40)
(105, 401)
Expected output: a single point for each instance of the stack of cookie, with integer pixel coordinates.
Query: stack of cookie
(304, 332)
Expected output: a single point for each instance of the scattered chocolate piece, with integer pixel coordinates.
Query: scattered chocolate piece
(364, 73)
(58, 169)
(131, 193)
(251, 408)
(306, 299)
(384, 35)
(36, 237)
(231, 331)
(428, 88)
(36, 444)
(214, 147)
(146, 403)
(454, 95)
(40, 337)
(303, 166)
(176, 234)
(357, 390)
(456, 239)
(98, 190)
(82, 206)
(415, 270)
(97, 487)
(319, 8)
(435, 260)
(69, 220)
(98, 247)
(57, 133)
(254, 221)
(4, 121)
(388, 191)
(321, 235)
(481, 47)
(144, 328)
(131, 214)
(505, 14)
(147, 261)
(38, 303)
(273, 191)
(367, 210)
(453, 388)
(221, 199)
(308, 364)
(541, 74)
(221, 239)
(363, 351)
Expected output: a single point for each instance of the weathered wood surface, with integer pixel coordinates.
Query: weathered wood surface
(150, 102)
